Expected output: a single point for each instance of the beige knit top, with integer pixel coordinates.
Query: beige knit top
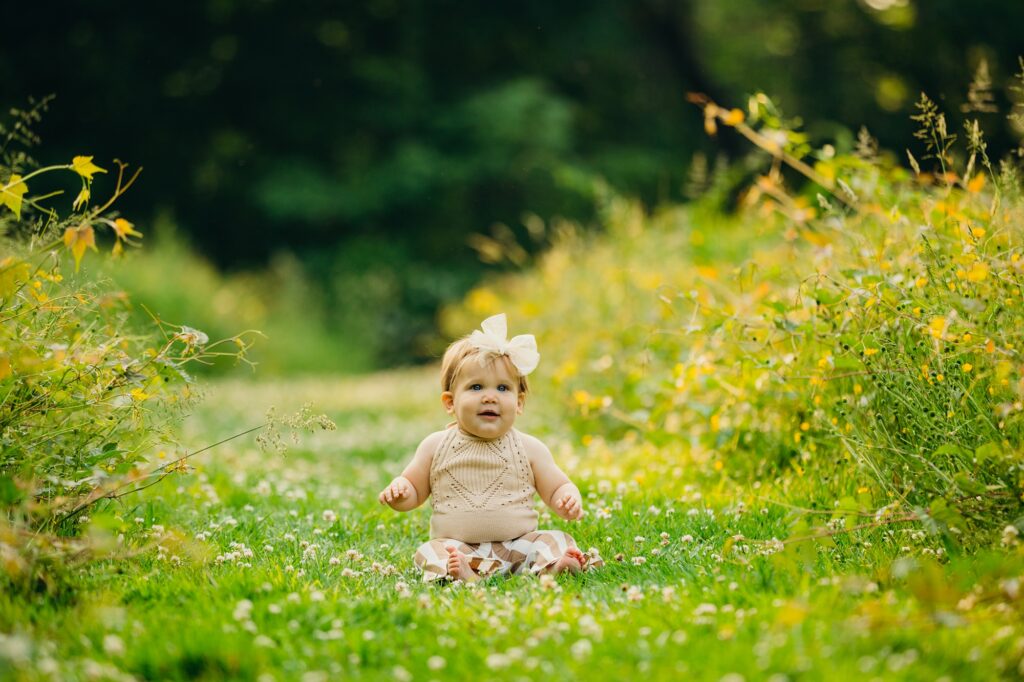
(482, 490)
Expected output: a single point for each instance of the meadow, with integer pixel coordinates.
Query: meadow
(797, 429)
(284, 566)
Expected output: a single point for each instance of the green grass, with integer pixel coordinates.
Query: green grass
(702, 605)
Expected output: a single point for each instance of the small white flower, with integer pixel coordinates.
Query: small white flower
(329, 516)
(639, 560)
(498, 661)
(113, 645)
(581, 649)
(1010, 536)
(436, 662)
(191, 337)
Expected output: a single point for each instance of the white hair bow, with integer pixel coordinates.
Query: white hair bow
(521, 350)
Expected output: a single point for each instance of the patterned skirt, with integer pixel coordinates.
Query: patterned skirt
(531, 553)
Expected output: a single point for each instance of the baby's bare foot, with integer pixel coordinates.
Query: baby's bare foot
(572, 562)
(458, 566)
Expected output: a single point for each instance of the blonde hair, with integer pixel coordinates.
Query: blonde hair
(461, 352)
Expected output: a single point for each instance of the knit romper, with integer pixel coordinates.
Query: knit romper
(482, 496)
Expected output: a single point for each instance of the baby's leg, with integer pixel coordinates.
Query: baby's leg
(551, 551)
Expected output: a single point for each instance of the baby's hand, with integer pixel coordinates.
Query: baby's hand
(570, 507)
(396, 490)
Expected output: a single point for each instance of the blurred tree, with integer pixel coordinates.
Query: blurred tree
(322, 127)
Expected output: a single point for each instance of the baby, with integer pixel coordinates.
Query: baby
(483, 473)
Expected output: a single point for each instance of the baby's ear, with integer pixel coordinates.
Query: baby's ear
(448, 400)
(520, 402)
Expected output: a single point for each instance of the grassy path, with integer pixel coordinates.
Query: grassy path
(281, 567)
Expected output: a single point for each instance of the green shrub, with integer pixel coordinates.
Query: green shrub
(85, 402)
(858, 337)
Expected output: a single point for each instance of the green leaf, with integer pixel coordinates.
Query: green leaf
(969, 485)
(826, 297)
(10, 493)
(988, 451)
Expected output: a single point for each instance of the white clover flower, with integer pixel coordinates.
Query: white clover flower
(639, 560)
(581, 649)
(1011, 535)
(436, 662)
(334, 561)
(686, 539)
(329, 516)
(113, 645)
(498, 661)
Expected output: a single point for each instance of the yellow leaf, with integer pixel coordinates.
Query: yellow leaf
(13, 273)
(733, 118)
(78, 239)
(791, 614)
(11, 193)
(976, 183)
(84, 166)
(118, 249)
(125, 229)
(710, 127)
(5, 366)
(82, 199)
(816, 238)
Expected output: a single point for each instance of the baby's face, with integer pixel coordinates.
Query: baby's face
(485, 399)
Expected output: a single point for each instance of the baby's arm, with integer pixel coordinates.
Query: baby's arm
(412, 487)
(553, 486)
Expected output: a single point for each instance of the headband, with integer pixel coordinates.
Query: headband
(521, 350)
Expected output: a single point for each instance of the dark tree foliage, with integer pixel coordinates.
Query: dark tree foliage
(381, 134)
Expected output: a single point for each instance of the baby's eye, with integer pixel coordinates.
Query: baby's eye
(475, 387)
(502, 387)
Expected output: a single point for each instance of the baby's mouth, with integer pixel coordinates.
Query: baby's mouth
(488, 413)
